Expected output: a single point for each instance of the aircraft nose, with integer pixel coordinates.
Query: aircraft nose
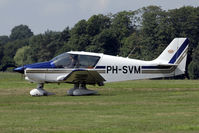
(19, 69)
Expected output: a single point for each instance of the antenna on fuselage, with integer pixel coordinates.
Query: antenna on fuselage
(131, 52)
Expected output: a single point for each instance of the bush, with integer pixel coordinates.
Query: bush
(194, 70)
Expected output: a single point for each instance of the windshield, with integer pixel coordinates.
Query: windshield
(67, 60)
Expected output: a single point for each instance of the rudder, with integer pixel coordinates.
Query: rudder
(173, 51)
(175, 54)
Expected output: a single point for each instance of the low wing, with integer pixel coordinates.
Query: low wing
(164, 64)
(84, 76)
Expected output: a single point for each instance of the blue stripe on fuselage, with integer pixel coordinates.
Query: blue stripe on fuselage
(156, 67)
(100, 67)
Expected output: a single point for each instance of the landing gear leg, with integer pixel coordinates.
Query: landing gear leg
(70, 92)
(39, 91)
(80, 90)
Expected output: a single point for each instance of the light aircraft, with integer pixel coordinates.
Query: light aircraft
(82, 68)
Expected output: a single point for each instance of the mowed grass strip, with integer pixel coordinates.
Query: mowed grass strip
(156, 106)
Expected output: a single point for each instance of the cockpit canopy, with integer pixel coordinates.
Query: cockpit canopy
(67, 60)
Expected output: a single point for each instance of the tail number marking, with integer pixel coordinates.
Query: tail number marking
(123, 69)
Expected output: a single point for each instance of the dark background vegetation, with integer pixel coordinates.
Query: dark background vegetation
(146, 31)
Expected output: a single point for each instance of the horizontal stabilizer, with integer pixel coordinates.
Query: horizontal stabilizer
(167, 65)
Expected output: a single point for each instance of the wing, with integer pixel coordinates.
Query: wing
(83, 76)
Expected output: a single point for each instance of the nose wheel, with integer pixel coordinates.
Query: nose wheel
(80, 90)
(39, 91)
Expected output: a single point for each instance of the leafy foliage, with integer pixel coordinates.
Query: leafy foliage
(194, 70)
(194, 65)
(21, 56)
(20, 32)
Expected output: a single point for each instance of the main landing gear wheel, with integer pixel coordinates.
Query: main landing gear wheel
(80, 90)
(39, 91)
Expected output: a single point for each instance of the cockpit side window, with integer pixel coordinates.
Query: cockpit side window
(86, 61)
(62, 60)
(75, 61)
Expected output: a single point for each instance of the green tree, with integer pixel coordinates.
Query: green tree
(79, 28)
(151, 18)
(6, 62)
(122, 24)
(20, 32)
(107, 42)
(65, 48)
(97, 23)
(65, 35)
(132, 46)
(43, 47)
(193, 68)
(4, 40)
(79, 39)
(9, 51)
(21, 56)
(182, 20)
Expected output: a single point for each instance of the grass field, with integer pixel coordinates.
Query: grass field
(152, 106)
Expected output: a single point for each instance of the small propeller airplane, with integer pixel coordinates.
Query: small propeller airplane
(82, 68)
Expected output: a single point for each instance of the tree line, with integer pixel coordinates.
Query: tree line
(140, 34)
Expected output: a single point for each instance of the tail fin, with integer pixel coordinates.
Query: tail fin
(175, 54)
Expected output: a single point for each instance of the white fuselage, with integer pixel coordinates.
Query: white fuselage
(111, 68)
